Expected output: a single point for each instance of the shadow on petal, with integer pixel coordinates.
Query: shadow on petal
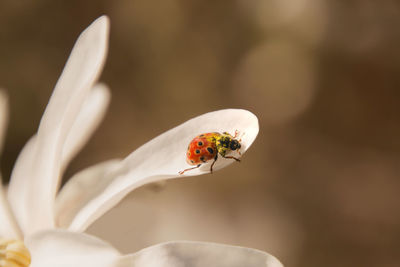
(198, 254)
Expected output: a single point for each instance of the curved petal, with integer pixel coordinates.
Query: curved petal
(161, 158)
(3, 117)
(80, 73)
(17, 189)
(61, 248)
(8, 226)
(89, 118)
(198, 254)
(95, 105)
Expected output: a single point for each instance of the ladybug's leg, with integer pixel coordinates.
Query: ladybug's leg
(230, 157)
(182, 172)
(215, 159)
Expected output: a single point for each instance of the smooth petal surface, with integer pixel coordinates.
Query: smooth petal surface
(67, 249)
(80, 73)
(8, 226)
(18, 193)
(196, 254)
(3, 117)
(72, 195)
(17, 190)
(89, 118)
(161, 158)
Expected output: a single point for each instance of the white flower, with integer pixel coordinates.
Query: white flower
(50, 224)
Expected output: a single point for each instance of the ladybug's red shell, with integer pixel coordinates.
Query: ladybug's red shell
(201, 149)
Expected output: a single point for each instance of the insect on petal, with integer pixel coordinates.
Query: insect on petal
(161, 158)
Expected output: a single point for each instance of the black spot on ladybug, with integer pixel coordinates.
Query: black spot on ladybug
(192, 161)
(200, 143)
(202, 158)
(197, 151)
(202, 135)
(210, 150)
(189, 153)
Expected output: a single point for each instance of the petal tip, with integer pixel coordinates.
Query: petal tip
(100, 27)
(3, 100)
(105, 21)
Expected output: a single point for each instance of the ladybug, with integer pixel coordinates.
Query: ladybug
(207, 146)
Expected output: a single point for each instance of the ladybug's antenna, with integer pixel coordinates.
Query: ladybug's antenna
(237, 134)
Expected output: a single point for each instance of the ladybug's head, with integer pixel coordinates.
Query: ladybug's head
(234, 145)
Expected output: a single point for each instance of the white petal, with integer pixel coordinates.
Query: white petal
(67, 249)
(197, 254)
(89, 118)
(80, 73)
(17, 189)
(17, 194)
(8, 226)
(79, 190)
(162, 158)
(3, 117)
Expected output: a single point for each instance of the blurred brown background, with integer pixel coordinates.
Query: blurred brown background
(321, 184)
